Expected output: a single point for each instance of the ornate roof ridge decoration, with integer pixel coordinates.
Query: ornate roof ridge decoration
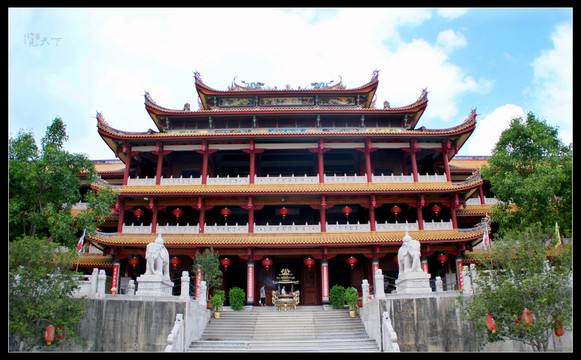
(259, 86)
(252, 86)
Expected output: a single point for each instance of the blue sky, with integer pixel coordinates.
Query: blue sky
(73, 62)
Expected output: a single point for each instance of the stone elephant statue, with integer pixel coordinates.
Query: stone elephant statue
(157, 258)
(408, 255)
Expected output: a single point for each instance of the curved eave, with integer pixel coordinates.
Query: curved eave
(277, 240)
(95, 260)
(304, 189)
(109, 134)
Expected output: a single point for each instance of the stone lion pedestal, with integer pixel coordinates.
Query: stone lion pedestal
(411, 279)
(154, 285)
(156, 280)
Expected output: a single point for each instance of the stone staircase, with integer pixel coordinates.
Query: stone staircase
(264, 329)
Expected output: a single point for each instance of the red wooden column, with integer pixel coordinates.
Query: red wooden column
(420, 216)
(446, 148)
(202, 219)
(205, 151)
(320, 150)
(153, 207)
(159, 150)
(127, 150)
(252, 151)
(120, 209)
(413, 149)
(454, 204)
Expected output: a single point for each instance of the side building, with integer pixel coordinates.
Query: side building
(316, 180)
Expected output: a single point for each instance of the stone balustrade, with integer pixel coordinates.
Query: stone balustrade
(289, 228)
(280, 179)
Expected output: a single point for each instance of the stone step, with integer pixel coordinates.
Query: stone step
(308, 329)
(342, 345)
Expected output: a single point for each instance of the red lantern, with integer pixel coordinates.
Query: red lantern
(490, 323)
(283, 212)
(351, 261)
(442, 258)
(436, 209)
(309, 262)
(138, 213)
(526, 317)
(177, 213)
(395, 259)
(396, 210)
(49, 334)
(225, 262)
(60, 333)
(267, 263)
(559, 331)
(175, 261)
(225, 211)
(347, 210)
(133, 261)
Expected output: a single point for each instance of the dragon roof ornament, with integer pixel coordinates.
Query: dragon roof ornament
(319, 85)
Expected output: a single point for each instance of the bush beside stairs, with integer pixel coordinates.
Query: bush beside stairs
(264, 329)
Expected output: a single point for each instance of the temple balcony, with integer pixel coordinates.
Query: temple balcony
(288, 228)
(487, 201)
(293, 228)
(292, 179)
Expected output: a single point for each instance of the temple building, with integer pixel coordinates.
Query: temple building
(317, 180)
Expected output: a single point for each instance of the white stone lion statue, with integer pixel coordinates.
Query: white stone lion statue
(408, 255)
(157, 258)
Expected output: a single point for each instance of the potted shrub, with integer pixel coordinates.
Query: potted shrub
(237, 298)
(337, 297)
(216, 302)
(351, 300)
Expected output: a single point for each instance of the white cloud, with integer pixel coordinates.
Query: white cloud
(488, 129)
(452, 13)
(552, 85)
(449, 40)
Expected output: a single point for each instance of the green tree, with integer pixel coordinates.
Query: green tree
(208, 264)
(521, 272)
(41, 283)
(530, 172)
(45, 183)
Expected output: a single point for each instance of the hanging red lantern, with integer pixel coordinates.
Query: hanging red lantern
(134, 261)
(225, 262)
(175, 261)
(138, 213)
(283, 212)
(347, 210)
(267, 263)
(351, 261)
(396, 210)
(60, 333)
(526, 316)
(49, 334)
(442, 258)
(559, 331)
(225, 211)
(490, 323)
(177, 213)
(436, 209)
(395, 259)
(309, 262)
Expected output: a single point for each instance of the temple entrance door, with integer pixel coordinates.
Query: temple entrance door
(310, 284)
